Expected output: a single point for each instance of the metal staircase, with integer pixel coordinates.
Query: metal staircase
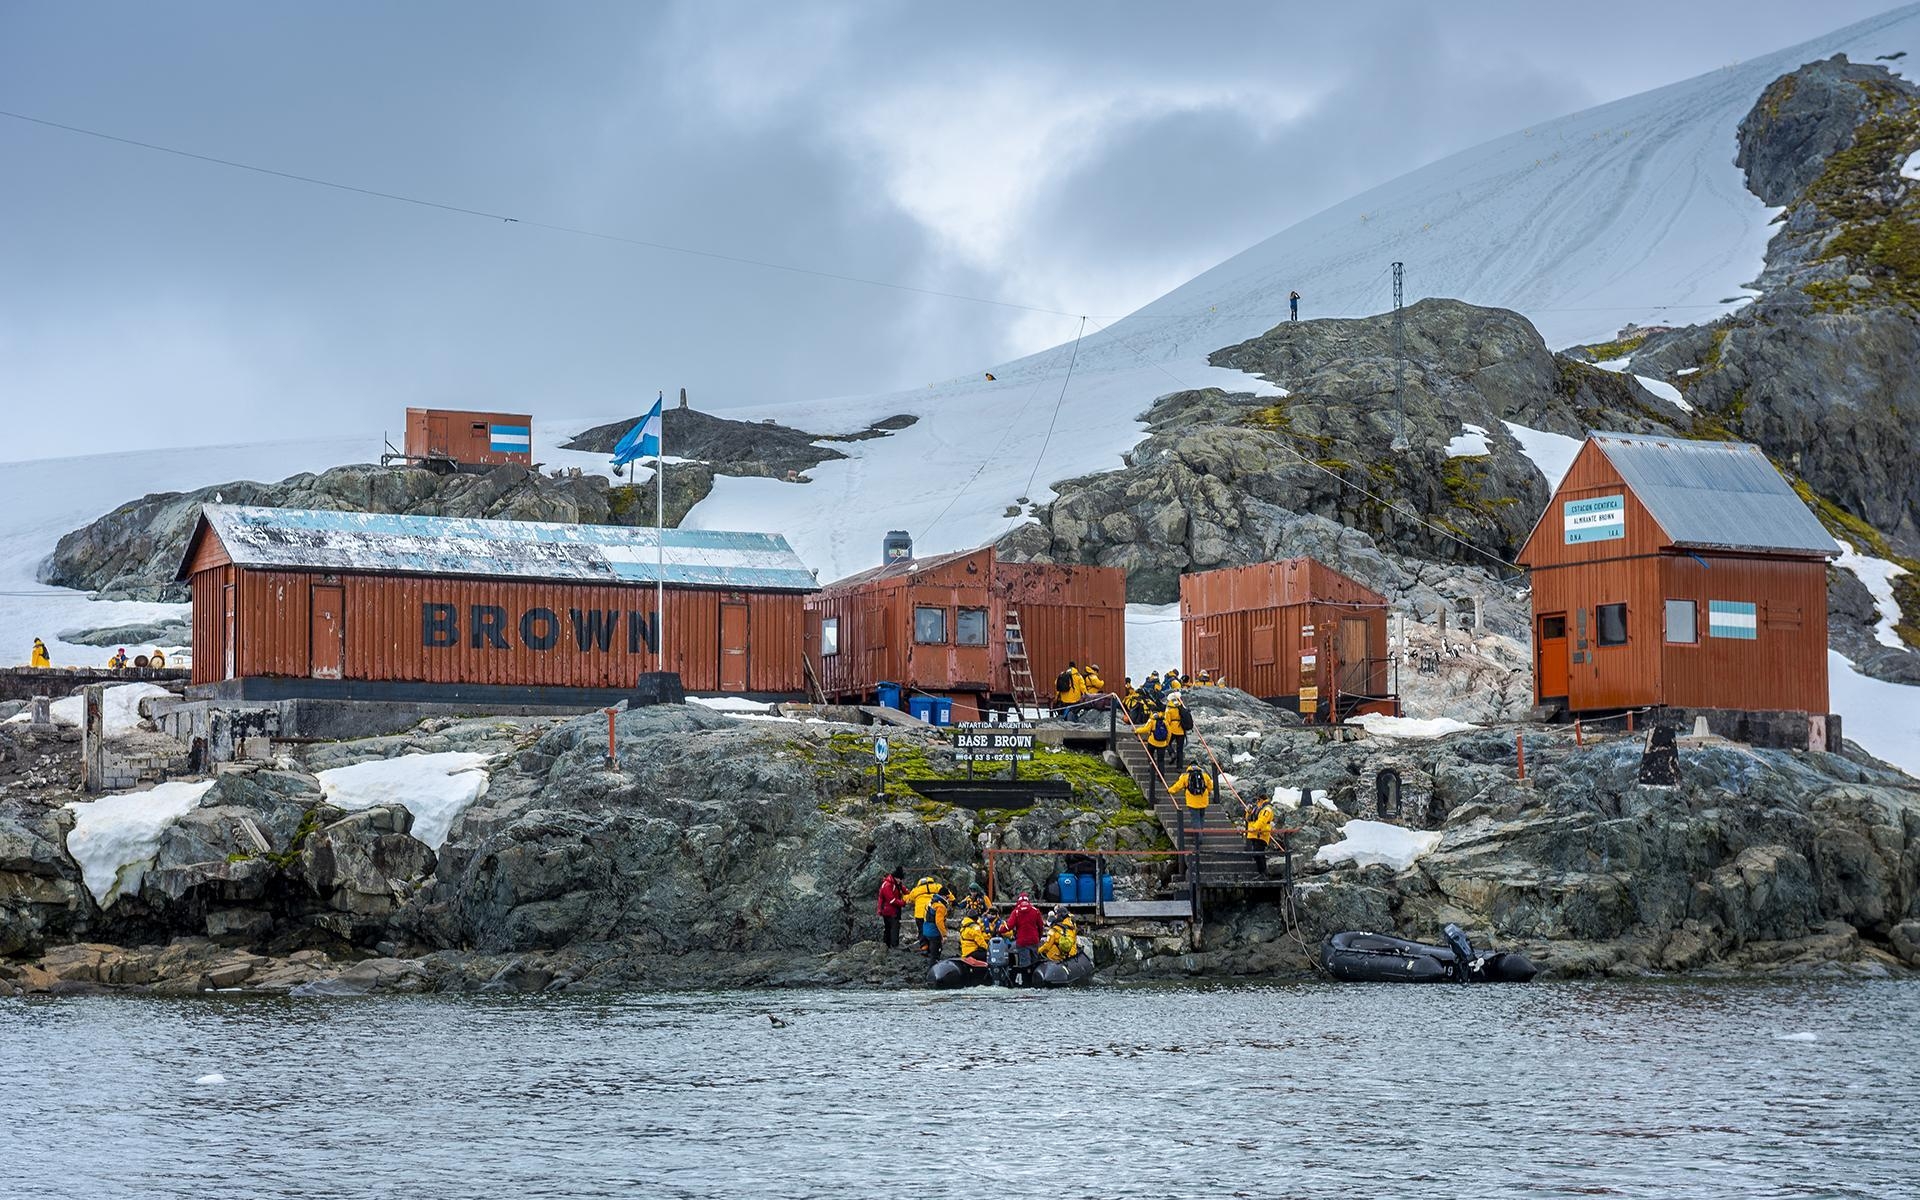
(1026, 692)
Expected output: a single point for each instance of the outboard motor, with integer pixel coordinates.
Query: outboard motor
(999, 960)
(1462, 951)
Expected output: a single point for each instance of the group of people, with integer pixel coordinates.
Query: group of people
(1080, 689)
(930, 905)
(119, 662)
(1158, 712)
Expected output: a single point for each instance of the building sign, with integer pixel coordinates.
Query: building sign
(1732, 619)
(510, 439)
(1309, 699)
(1600, 519)
(492, 627)
(975, 742)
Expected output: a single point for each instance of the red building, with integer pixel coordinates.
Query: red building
(1680, 574)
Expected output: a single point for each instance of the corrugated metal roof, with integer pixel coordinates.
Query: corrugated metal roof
(905, 567)
(1715, 495)
(472, 546)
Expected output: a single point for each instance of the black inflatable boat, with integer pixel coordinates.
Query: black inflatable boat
(1008, 967)
(1360, 957)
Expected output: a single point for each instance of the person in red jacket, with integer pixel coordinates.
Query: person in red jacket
(1025, 921)
(889, 908)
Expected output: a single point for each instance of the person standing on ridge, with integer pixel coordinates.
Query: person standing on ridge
(888, 905)
(40, 656)
(1067, 686)
(1293, 306)
(1260, 832)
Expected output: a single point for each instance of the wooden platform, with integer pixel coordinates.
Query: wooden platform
(1163, 909)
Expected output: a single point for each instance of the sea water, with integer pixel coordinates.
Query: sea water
(1622, 1089)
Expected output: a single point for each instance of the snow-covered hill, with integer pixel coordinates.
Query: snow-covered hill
(1629, 212)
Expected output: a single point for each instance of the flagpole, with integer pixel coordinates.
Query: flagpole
(660, 534)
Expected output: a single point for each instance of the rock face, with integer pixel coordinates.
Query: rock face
(1222, 480)
(729, 447)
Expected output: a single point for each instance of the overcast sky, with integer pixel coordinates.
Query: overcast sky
(1079, 157)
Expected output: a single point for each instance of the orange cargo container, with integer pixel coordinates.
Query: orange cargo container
(1681, 574)
(360, 605)
(939, 626)
(1294, 632)
(456, 437)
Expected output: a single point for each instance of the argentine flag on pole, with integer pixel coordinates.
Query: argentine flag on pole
(643, 440)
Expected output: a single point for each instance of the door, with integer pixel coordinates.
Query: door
(733, 647)
(1550, 657)
(229, 619)
(1355, 677)
(436, 434)
(326, 647)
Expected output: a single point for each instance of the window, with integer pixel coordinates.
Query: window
(1611, 622)
(1683, 623)
(930, 626)
(829, 636)
(1553, 628)
(970, 627)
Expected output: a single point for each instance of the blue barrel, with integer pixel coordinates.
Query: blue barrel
(942, 711)
(889, 695)
(1069, 888)
(1106, 888)
(1085, 891)
(920, 708)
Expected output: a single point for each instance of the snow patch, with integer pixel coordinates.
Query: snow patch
(1287, 797)
(1471, 442)
(730, 704)
(1410, 728)
(1883, 717)
(1551, 453)
(435, 788)
(122, 708)
(1688, 371)
(114, 838)
(1370, 843)
(1878, 575)
(1615, 365)
(1910, 169)
(1665, 391)
(1153, 639)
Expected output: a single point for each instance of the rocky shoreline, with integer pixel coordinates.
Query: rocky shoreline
(723, 852)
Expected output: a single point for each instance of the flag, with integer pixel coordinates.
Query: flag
(643, 440)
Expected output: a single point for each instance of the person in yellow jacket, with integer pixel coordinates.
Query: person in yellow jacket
(1179, 724)
(917, 897)
(933, 926)
(973, 938)
(1260, 832)
(40, 656)
(1195, 786)
(1157, 736)
(1091, 684)
(1063, 939)
(1069, 686)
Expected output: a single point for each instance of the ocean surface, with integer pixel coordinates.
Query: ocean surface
(1610, 1089)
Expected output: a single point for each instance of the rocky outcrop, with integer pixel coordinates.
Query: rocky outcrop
(729, 447)
(1222, 480)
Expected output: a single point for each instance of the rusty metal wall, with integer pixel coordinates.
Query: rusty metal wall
(1267, 585)
(210, 624)
(1225, 643)
(386, 636)
(1075, 613)
(464, 443)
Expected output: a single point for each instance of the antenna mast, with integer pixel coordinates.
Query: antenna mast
(1400, 443)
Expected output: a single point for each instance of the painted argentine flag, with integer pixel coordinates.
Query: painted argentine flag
(643, 440)
(510, 439)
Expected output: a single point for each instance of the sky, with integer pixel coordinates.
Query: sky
(1053, 159)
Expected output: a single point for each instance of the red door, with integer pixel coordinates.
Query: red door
(733, 647)
(326, 648)
(1550, 657)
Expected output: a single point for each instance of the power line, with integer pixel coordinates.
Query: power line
(1055, 418)
(529, 223)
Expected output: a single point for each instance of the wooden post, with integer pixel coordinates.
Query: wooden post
(1629, 720)
(1576, 733)
(613, 757)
